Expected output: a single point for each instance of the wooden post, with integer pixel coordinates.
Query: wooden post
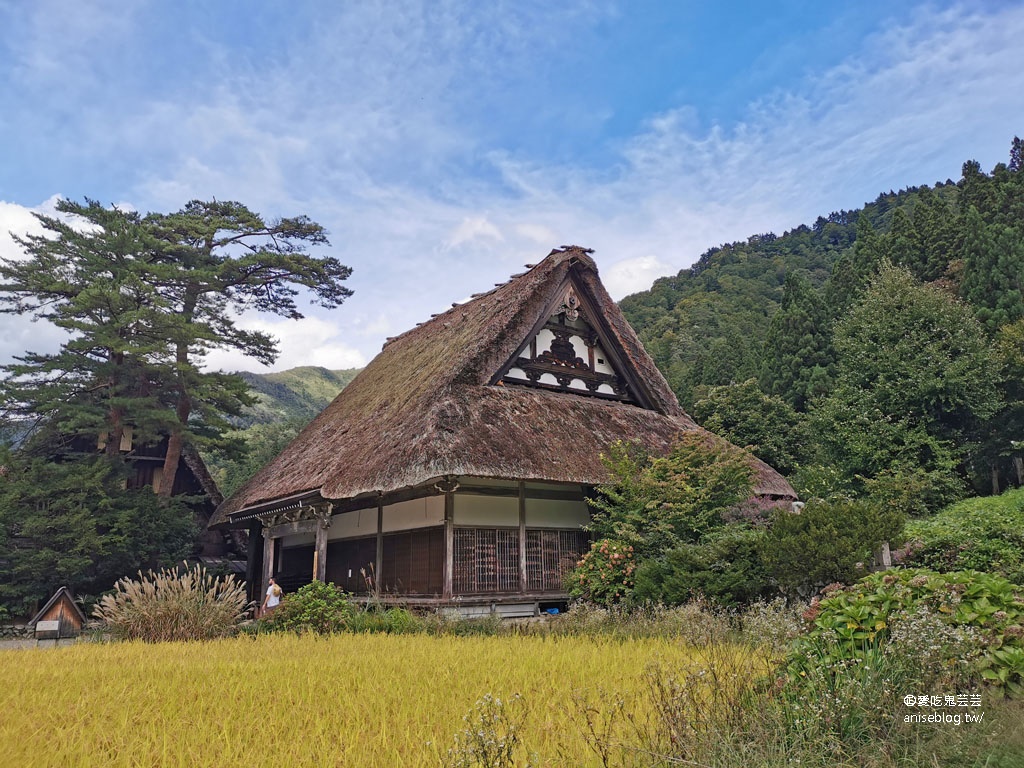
(378, 560)
(268, 562)
(253, 560)
(522, 537)
(883, 556)
(320, 553)
(449, 544)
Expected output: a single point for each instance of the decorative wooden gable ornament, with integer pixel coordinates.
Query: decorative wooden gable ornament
(569, 351)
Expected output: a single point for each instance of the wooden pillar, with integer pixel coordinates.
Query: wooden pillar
(322, 515)
(254, 560)
(522, 536)
(449, 544)
(378, 561)
(268, 562)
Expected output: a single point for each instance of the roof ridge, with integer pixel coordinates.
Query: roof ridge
(565, 249)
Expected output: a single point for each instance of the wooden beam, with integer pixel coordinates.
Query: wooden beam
(290, 529)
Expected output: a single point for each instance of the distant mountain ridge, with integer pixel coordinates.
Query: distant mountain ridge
(297, 394)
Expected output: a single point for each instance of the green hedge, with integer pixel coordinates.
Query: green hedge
(981, 534)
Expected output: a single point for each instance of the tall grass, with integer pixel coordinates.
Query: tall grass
(346, 700)
(173, 604)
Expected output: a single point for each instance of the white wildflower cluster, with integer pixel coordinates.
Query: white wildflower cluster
(490, 738)
(774, 623)
(942, 653)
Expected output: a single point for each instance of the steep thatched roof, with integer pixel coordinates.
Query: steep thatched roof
(427, 405)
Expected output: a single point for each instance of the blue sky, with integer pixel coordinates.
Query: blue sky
(444, 144)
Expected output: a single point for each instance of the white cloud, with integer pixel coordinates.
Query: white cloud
(364, 126)
(632, 275)
(19, 220)
(472, 230)
(310, 341)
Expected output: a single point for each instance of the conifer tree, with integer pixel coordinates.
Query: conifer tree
(145, 299)
(797, 352)
(216, 257)
(852, 271)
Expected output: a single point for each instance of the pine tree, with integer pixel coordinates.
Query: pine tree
(200, 276)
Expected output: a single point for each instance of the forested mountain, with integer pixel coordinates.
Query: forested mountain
(285, 402)
(708, 325)
(886, 343)
(296, 394)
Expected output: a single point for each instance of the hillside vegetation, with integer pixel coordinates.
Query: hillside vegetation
(296, 394)
(875, 353)
(285, 402)
(878, 351)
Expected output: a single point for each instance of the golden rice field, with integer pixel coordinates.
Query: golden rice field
(348, 700)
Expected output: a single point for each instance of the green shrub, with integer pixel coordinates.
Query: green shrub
(855, 623)
(981, 534)
(656, 504)
(828, 542)
(393, 621)
(604, 575)
(316, 607)
(173, 605)
(726, 568)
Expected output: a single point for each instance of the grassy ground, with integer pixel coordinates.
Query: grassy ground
(347, 700)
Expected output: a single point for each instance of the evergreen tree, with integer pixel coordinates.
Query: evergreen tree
(797, 356)
(852, 270)
(993, 270)
(146, 298)
(74, 523)
(939, 235)
(220, 256)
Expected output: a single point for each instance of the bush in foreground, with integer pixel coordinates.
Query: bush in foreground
(173, 604)
(604, 575)
(317, 607)
(840, 696)
(980, 616)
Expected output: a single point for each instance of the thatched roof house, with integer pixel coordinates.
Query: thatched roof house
(472, 437)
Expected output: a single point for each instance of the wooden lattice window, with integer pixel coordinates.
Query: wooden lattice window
(485, 560)
(550, 555)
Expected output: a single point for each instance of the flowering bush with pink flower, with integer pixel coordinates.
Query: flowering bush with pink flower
(604, 575)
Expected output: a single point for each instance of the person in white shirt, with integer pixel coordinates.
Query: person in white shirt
(272, 598)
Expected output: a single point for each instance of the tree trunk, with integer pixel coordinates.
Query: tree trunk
(995, 479)
(176, 440)
(115, 417)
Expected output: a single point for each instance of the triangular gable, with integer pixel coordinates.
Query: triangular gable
(570, 350)
(64, 595)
